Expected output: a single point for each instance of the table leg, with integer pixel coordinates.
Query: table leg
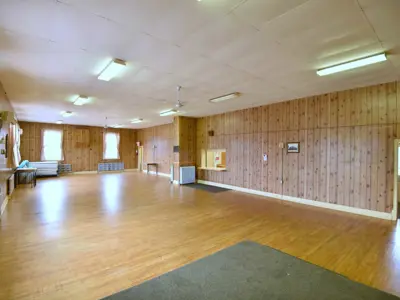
(156, 169)
(147, 169)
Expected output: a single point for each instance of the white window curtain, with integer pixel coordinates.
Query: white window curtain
(111, 145)
(17, 145)
(52, 145)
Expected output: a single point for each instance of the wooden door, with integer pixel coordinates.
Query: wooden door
(81, 159)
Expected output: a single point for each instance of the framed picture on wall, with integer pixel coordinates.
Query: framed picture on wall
(293, 147)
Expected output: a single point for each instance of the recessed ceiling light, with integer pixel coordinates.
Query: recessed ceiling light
(81, 100)
(112, 69)
(59, 122)
(225, 97)
(67, 113)
(117, 126)
(353, 64)
(137, 121)
(168, 112)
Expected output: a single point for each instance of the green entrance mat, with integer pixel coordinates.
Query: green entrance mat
(251, 271)
(205, 187)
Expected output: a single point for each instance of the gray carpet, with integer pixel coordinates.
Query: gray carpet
(208, 188)
(251, 271)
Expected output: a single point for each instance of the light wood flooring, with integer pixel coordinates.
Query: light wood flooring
(88, 236)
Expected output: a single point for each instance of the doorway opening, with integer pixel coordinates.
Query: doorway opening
(140, 158)
(396, 194)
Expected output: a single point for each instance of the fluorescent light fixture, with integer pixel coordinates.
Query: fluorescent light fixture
(137, 121)
(168, 112)
(81, 100)
(59, 122)
(225, 97)
(112, 69)
(117, 126)
(353, 64)
(66, 114)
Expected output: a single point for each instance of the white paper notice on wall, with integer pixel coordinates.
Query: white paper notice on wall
(265, 156)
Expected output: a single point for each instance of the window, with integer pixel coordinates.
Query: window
(111, 145)
(213, 159)
(52, 145)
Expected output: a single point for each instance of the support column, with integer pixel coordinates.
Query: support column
(185, 138)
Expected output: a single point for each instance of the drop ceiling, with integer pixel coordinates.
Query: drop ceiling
(52, 50)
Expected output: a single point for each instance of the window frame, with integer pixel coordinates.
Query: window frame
(208, 157)
(117, 134)
(43, 155)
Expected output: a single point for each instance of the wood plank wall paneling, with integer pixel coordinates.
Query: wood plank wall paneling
(346, 147)
(182, 133)
(162, 137)
(83, 145)
(187, 141)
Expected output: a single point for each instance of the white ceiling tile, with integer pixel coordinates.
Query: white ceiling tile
(216, 35)
(259, 12)
(384, 18)
(62, 24)
(346, 80)
(269, 50)
(298, 33)
(169, 20)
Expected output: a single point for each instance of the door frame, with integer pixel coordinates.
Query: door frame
(140, 156)
(395, 179)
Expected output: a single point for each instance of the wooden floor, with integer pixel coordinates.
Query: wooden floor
(88, 236)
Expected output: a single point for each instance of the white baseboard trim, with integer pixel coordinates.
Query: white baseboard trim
(3, 205)
(348, 209)
(159, 174)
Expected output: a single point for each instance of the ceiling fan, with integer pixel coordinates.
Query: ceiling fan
(179, 103)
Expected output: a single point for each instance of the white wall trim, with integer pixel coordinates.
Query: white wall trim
(3, 206)
(395, 179)
(159, 174)
(353, 210)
